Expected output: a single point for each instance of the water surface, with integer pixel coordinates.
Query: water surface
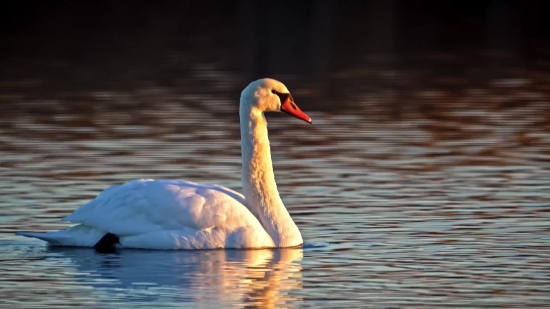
(444, 211)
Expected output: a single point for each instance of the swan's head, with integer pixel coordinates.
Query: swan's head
(269, 95)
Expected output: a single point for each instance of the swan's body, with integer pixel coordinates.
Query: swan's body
(165, 214)
(176, 214)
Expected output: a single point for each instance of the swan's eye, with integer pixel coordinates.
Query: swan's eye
(284, 96)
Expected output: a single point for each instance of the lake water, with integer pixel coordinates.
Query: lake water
(448, 209)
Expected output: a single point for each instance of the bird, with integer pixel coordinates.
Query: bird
(171, 214)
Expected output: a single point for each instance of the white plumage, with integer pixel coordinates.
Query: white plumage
(177, 214)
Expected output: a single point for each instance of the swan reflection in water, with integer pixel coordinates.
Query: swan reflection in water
(209, 278)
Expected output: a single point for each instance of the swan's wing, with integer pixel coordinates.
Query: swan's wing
(237, 196)
(145, 206)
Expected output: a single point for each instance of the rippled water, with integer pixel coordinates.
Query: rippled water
(445, 211)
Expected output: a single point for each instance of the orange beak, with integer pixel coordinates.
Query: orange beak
(292, 109)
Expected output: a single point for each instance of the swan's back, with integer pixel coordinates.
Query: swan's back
(145, 205)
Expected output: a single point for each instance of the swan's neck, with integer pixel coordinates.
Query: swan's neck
(258, 181)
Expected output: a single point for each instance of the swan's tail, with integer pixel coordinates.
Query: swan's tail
(53, 238)
(79, 236)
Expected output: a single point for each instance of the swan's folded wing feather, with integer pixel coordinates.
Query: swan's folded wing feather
(145, 206)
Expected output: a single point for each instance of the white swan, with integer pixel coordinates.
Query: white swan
(177, 214)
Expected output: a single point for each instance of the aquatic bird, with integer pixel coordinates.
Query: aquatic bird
(178, 214)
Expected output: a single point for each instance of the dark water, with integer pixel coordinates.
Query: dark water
(449, 210)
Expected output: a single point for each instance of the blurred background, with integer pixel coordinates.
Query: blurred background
(422, 183)
(323, 45)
